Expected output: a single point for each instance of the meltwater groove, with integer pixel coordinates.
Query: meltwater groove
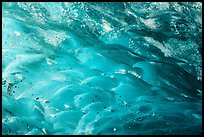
(101, 68)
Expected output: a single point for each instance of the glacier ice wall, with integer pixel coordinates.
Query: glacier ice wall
(101, 68)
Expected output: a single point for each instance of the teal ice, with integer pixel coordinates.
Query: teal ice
(107, 68)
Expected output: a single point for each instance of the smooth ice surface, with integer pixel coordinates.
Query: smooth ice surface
(101, 68)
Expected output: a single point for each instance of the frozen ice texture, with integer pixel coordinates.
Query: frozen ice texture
(101, 68)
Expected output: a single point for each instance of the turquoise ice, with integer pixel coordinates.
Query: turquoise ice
(101, 68)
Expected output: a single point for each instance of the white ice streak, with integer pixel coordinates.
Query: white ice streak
(21, 60)
(106, 26)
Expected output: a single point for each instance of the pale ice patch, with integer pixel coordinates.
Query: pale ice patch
(159, 45)
(19, 76)
(58, 77)
(150, 23)
(17, 33)
(50, 61)
(52, 115)
(53, 37)
(114, 129)
(121, 71)
(87, 80)
(106, 26)
(66, 106)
